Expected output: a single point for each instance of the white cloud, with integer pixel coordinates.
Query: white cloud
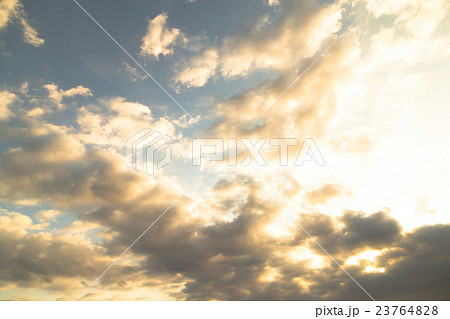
(159, 39)
(30, 35)
(280, 46)
(36, 112)
(200, 69)
(14, 222)
(47, 215)
(135, 75)
(24, 88)
(6, 98)
(411, 36)
(8, 9)
(122, 121)
(13, 9)
(79, 90)
(57, 95)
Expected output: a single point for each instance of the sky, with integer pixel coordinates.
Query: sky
(358, 89)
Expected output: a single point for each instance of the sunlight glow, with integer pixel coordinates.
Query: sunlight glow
(305, 254)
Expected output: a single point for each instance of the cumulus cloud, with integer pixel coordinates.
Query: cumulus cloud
(6, 98)
(117, 121)
(280, 46)
(34, 257)
(217, 247)
(47, 215)
(232, 259)
(159, 38)
(304, 110)
(57, 95)
(200, 69)
(61, 171)
(286, 47)
(7, 10)
(50, 161)
(230, 241)
(47, 163)
(320, 102)
(13, 10)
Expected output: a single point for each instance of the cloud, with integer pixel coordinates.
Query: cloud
(57, 169)
(323, 101)
(414, 25)
(57, 95)
(352, 142)
(47, 215)
(15, 223)
(36, 258)
(217, 243)
(279, 46)
(273, 2)
(135, 75)
(200, 69)
(13, 9)
(159, 38)
(233, 259)
(216, 247)
(323, 193)
(422, 207)
(305, 110)
(6, 98)
(422, 255)
(52, 162)
(296, 40)
(46, 163)
(374, 231)
(7, 10)
(117, 120)
(30, 35)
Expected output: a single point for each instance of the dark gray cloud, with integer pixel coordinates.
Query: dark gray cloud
(226, 260)
(49, 164)
(39, 259)
(228, 257)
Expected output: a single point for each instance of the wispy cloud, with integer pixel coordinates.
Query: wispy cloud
(11, 10)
